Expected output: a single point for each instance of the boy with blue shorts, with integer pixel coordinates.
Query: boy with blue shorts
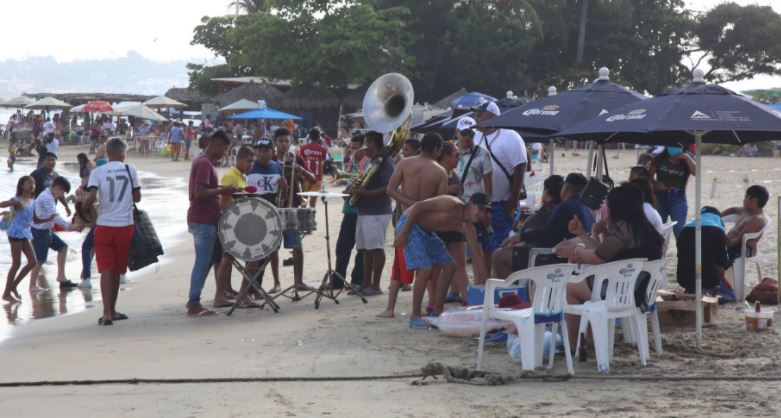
(422, 230)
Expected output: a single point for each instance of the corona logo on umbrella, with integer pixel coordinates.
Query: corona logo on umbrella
(549, 110)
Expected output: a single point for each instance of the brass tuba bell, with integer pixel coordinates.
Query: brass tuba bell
(387, 107)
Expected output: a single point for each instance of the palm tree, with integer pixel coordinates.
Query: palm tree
(251, 6)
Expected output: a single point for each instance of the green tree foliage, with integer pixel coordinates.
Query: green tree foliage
(739, 41)
(489, 45)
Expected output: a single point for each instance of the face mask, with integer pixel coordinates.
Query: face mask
(674, 151)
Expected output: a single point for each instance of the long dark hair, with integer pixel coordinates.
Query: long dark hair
(625, 203)
(645, 187)
(83, 160)
(20, 185)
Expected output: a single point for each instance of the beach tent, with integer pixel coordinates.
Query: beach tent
(265, 113)
(471, 100)
(695, 113)
(138, 111)
(18, 102)
(162, 102)
(241, 105)
(48, 103)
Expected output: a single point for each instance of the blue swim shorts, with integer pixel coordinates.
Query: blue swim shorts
(423, 250)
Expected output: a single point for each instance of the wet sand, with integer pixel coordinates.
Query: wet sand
(159, 341)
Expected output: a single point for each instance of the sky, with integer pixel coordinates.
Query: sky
(158, 29)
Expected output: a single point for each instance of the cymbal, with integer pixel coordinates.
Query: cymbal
(322, 193)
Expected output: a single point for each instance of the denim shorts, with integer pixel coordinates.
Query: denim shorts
(43, 239)
(292, 239)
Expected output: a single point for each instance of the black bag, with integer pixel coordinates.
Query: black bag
(145, 246)
(641, 286)
(594, 193)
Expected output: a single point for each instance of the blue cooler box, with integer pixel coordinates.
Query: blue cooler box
(475, 295)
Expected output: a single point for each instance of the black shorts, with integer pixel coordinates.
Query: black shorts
(451, 236)
(14, 239)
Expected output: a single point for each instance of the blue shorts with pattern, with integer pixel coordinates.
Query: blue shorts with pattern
(501, 223)
(423, 250)
(292, 239)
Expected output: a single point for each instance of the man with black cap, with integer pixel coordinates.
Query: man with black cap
(515, 254)
(508, 155)
(422, 231)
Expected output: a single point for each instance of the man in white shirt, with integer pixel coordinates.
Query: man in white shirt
(508, 154)
(53, 144)
(45, 216)
(48, 127)
(118, 187)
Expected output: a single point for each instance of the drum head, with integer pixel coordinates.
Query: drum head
(250, 229)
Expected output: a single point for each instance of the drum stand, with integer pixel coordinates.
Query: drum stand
(253, 284)
(326, 288)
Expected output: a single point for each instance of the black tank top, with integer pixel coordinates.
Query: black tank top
(672, 173)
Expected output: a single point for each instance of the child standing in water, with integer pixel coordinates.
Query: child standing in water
(20, 237)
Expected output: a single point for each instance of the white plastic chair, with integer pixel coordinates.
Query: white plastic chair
(658, 274)
(738, 270)
(667, 232)
(619, 302)
(535, 252)
(550, 283)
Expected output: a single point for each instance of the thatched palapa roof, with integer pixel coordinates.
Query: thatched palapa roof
(193, 98)
(81, 98)
(253, 92)
(310, 98)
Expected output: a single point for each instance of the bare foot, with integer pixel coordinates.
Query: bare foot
(8, 298)
(15, 294)
(36, 289)
(222, 303)
(386, 314)
(198, 310)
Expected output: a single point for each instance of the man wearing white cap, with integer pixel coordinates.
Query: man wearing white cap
(508, 155)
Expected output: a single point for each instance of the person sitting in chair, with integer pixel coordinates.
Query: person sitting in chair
(750, 219)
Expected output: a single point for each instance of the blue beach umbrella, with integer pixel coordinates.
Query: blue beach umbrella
(471, 100)
(695, 113)
(265, 113)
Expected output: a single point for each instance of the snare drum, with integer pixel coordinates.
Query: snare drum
(298, 219)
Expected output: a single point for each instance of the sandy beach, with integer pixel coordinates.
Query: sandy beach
(346, 340)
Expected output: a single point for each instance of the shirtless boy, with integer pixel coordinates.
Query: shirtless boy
(751, 219)
(419, 231)
(415, 179)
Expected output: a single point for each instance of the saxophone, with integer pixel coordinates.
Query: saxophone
(362, 180)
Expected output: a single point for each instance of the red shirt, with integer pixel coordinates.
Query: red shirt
(314, 155)
(203, 172)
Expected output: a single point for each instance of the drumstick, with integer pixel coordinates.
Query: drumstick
(292, 180)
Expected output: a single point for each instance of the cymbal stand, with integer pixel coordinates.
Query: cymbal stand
(326, 287)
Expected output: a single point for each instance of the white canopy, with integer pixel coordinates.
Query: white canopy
(20, 101)
(162, 102)
(240, 106)
(139, 111)
(48, 103)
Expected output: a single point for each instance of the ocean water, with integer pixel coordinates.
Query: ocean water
(163, 198)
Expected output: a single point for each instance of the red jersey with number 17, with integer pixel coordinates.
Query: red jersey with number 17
(313, 156)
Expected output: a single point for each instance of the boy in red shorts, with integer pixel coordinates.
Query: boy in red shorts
(118, 187)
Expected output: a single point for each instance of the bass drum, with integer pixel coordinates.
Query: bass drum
(250, 229)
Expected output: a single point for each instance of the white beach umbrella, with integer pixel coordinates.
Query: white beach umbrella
(162, 102)
(139, 111)
(240, 106)
(48, 103)
(18, 102)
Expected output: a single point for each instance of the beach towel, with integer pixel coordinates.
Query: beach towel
(423, 250)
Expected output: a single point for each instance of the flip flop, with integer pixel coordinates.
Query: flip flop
(102, 321)
(119, 317)
(248, 305)
(205, 312)
(275, 289)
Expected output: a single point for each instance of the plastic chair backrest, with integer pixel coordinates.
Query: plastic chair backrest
(754, 235)
(656, 269)
(667, 231)
(620, 277)
(550, 283)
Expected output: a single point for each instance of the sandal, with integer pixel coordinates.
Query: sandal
(275, 289)
(119, 317)
(102, 321)
(248, 305)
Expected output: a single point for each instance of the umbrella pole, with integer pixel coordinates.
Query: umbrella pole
(590, 156)
(600, 161)
(552, 156)
(698, 237)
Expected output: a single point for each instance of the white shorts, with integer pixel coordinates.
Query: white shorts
(370, 231)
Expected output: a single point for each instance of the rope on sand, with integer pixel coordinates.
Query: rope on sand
(451, 374)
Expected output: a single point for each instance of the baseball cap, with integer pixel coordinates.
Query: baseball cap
(465, 123)
(263, 142)
(490, 107)
(481, 200)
